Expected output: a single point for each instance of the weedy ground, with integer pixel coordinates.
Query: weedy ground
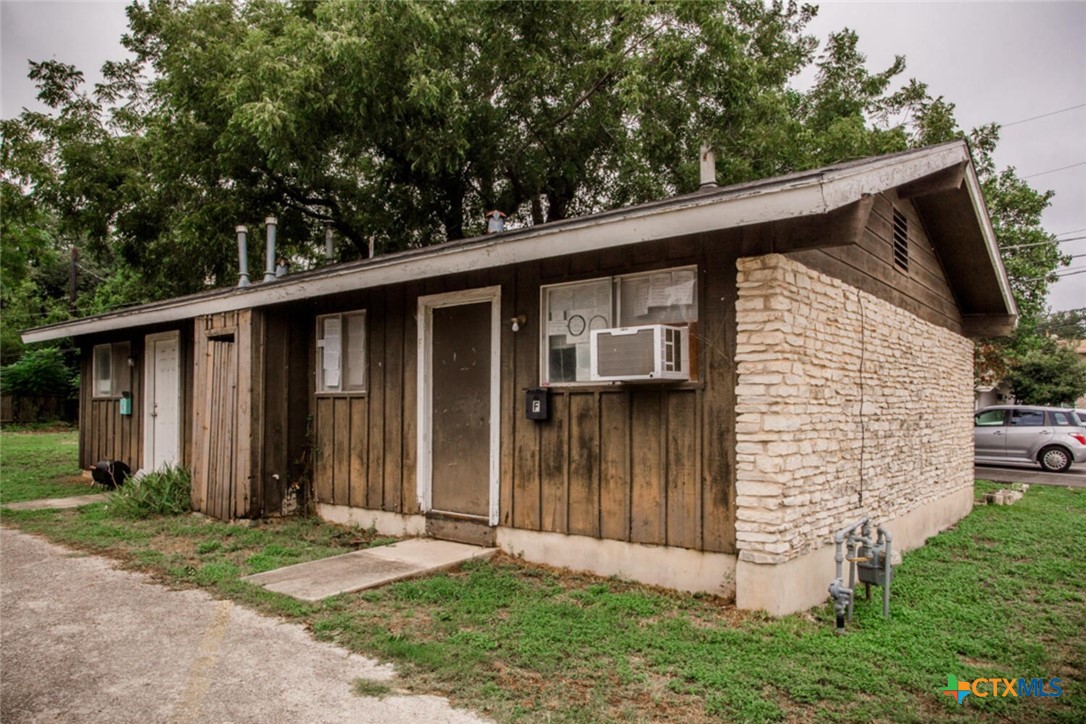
(1001, 595)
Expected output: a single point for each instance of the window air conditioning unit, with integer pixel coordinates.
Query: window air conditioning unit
(649, 352)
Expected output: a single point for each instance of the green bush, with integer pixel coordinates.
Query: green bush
(39, 372)
(166, 492)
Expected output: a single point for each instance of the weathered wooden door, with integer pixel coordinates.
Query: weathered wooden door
(222, 418)
(162, 422)
(459, 389)
(461, 409)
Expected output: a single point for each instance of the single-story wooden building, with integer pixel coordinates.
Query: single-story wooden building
(696, 392)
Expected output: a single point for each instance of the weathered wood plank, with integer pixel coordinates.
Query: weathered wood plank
(241, 394)
(648, 516)
(683, 488)
(584, 464)
(526, 501)
(554, 466)
(273, 361)
(394, 412)
(199, 432)
(409, 480)
(615, 465)
(324, 451)
(717, 363)
(341, 446)
(358, 445)
(85, 419)
(375, 357)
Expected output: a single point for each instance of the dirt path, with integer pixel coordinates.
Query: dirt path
(81, 641)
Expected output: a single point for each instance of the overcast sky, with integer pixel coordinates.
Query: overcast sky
(997, 62)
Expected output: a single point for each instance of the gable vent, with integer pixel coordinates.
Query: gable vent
(901, 241)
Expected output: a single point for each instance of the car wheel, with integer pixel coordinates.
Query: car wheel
(1054, 459)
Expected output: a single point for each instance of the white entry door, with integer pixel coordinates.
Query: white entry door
(162, 408)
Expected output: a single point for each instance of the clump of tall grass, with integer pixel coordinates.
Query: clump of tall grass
(164, 492)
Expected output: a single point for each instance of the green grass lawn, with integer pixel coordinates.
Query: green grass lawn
(1001, 595)
(36, 464)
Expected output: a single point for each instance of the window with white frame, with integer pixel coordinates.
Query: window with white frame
(341, 352)
(110, 369)
(571, 311)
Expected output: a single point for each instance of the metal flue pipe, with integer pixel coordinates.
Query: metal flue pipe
(269, 257)
(708, 167)
(243, 255)
(329, 245)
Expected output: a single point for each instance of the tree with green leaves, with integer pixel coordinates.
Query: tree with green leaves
(402, 123)
(1069, 324)
(1053, 374)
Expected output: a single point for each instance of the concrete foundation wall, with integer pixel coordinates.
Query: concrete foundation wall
(381, 521)
(800, 583)
(679, 568)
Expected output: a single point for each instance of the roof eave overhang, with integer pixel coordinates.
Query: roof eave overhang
(793, 197)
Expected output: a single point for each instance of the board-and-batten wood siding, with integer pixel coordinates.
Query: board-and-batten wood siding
(641, 463)
(105, 434)
(283, 402)
(923, 290)
(224, 406)
(363, 446)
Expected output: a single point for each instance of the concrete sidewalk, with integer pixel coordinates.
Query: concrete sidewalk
(81, 641)
(77, 502)
(358, 570)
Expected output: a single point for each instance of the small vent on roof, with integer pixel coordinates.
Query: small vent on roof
(901, 241)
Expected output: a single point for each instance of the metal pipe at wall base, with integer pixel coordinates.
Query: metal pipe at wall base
(888, 568)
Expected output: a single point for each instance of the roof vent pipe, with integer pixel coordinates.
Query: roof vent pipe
(269, 256)
(329, 245)
(243, 256)
(708, 167)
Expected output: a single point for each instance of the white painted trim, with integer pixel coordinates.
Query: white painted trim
(424, 483)
(803, 194)
(991, 244)
(149, 373)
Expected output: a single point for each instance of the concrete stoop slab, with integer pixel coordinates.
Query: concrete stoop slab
(77, 502)
(368, 568)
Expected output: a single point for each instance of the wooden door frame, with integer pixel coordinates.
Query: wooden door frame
(148, 395)
(427, 304)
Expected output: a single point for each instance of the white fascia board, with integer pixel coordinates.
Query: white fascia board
(844, 186)
(700, 215)
(991, 244)
(803, 196)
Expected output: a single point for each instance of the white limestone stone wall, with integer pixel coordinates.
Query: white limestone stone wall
(831, 382)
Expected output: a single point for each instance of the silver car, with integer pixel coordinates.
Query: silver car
(1050, 436)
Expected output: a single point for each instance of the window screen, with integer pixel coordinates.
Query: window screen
(103, 370)
(572, 311)
(341, 352)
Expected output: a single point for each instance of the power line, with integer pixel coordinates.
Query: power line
(1043, 115)
(1041, 243)
(1072, 231)
(1067, 272)
(1054, 170)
